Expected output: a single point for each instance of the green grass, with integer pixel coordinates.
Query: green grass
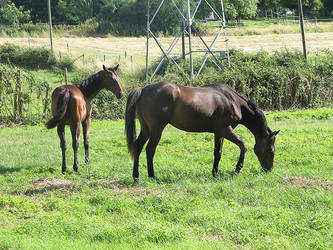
(185, 207)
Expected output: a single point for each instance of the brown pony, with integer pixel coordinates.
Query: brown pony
(212, 108)
(71, 105)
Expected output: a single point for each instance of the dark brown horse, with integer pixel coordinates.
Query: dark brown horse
(71, 105)
(213, 108)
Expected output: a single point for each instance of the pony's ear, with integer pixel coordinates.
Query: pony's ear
(115, 68)
(105, 68)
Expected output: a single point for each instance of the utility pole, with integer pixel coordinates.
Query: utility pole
(301, 18)
(50, 22)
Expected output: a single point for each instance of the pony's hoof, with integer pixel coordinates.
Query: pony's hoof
(87, 160)
(75, 168)
(136, 179)
(63, 170)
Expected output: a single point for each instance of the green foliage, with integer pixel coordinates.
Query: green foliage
(281, 80)
(27, 57)
(10, 14)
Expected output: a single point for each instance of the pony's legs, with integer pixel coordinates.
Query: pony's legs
(86, 128)
(139, 143)
(61, 134)
(217, 153)
(75, 129)
(155, 136)
(230, 135)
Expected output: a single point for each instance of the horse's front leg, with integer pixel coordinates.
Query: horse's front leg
(61, 134)
(75, 129)
(230, 135)
(217, 153)
(86, 128)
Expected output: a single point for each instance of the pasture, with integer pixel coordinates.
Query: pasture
(185, 207)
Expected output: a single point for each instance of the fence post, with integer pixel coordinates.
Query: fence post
(132, 63)
(15, 101)
(46, 101)
(20, 101)
(83, 59)
(66, 76)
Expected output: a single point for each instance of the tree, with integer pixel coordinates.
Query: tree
(237, 9)
(11, 14)
(310, 7)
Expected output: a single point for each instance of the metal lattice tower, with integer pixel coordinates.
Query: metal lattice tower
(186, 24)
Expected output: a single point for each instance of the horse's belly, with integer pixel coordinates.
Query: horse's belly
(193, 124)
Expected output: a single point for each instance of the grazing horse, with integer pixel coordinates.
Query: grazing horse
(212, 108)
(71, 105)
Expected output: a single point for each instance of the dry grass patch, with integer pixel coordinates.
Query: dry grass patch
(309, 182)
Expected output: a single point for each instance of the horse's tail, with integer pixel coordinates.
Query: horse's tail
(132, 99)
(62, 103)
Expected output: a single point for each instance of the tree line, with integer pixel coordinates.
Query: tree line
(129, 16)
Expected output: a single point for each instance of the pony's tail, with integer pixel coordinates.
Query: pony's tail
(63, 99)
(132, 99)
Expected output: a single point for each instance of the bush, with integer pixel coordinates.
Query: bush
(32, 57)
(281, 80)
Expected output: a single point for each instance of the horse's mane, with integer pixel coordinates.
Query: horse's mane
(88, 85)
(259, 115)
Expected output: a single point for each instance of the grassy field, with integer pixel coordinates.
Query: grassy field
(95, 48)
(185, 207)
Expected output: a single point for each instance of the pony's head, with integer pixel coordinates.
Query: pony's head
(265, 150)
(111, 81)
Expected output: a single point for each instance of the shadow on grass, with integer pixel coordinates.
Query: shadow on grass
(4, 170)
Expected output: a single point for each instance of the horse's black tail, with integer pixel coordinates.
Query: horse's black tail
(62, 103)
(132, 99)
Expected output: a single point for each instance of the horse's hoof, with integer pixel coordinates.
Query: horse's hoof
(75, 168)
(136, 179)
(63, 170)
(234, 173)
(87, 160)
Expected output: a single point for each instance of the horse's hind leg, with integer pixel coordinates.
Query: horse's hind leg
(217, 153)
(86, 127)
(230, 135)
(139, 143)
(75, 129)
(155, 136)
(61, 134)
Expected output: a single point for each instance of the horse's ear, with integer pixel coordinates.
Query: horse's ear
(273, 134)
(115, 68)
(105, 68)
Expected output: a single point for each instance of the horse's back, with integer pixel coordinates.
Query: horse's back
(77, 107)
(188, 108)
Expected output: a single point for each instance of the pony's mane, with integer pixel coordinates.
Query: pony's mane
(88, 85)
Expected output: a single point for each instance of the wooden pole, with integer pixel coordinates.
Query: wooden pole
(301, 18)
(66, 76)
(50, 22)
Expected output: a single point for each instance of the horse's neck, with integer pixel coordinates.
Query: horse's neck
(91, 86)
(255, 121)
